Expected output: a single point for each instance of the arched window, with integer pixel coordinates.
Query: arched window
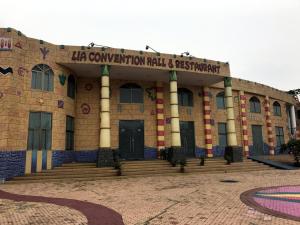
(42, 78)
(254, 105)
(220, 98)
(131, 93)
(276, 109)
(185, 97)
(71, 86)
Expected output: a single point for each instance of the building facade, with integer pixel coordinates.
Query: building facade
(63, 104)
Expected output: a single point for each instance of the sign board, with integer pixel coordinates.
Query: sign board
(142, 60)
(5, 44)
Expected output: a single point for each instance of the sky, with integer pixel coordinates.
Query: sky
(259, 38)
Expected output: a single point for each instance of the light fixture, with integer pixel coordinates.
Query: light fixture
(148, 47)
(184, 53)
(92, 44)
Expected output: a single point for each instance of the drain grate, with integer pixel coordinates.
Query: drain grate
(229, 181)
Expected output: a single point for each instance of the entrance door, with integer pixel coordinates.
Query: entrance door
(187, 136)
(258, 143)
(131, 139)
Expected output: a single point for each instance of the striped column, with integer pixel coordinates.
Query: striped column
(207, 122)
(104, 141)
(175, 128)
(244, 124)
(160, 128)
(269, 125)
(231, 133)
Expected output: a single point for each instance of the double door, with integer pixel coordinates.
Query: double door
(187, 135)
(131, 139)
(258, 143)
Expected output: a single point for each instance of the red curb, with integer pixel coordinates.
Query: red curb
(95, 214)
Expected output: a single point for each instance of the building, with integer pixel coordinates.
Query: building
(75, 103)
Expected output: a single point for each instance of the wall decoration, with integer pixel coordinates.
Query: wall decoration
(19, 93)
(85, 108)
(62, 79)
(60, 104)
(6, 71)
(22, 71)
(151, 93)
(18, 45)
(44, 51)
(1, 95)
(88, 86)
(40, 101)
(5, 44)
(152, 112)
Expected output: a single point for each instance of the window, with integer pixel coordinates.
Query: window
(254, 105)
(185, 97)
(276, 109)
(222, 134)
(279, 136)
(70, 133)
(220, 98)
(298, 114)
(71, 86)
(39, 131)
(42, 78)
(131, 93)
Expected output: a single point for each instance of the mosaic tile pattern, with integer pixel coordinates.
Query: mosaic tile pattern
(282, 201)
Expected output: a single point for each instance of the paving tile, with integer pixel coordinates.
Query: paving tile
(194, 199)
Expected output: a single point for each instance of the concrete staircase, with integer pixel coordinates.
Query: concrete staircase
(220, 166)
(71, 171)
(89, 171)
(151, 167)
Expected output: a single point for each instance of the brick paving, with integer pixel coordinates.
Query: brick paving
(25, 213)
(180, 199)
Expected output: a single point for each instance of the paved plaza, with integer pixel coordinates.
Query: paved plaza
(180, 199)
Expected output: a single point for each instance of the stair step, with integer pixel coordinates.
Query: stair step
(65, 179)
(77, 169)
(37, 177)
(72, 172)
(227, 170)
(77, 164)
(145, 166)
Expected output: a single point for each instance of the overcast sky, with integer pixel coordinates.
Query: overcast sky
(259, 38)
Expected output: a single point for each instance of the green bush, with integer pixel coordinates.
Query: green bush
(293, 147)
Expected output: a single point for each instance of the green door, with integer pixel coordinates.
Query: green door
(131, 139)
(187, 136)
(258, 143)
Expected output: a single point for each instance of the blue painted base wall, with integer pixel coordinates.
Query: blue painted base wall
(265, 150)
(61, 156)
(12, 163)
(150, 153)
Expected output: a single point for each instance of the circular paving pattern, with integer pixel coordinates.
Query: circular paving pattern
(282, 201)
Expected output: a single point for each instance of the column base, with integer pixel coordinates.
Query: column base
(105, 157)
(175, 155)
(233, 154)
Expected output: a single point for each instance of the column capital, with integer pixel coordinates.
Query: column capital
(104, 69)
(227, 82)
(173, 75)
